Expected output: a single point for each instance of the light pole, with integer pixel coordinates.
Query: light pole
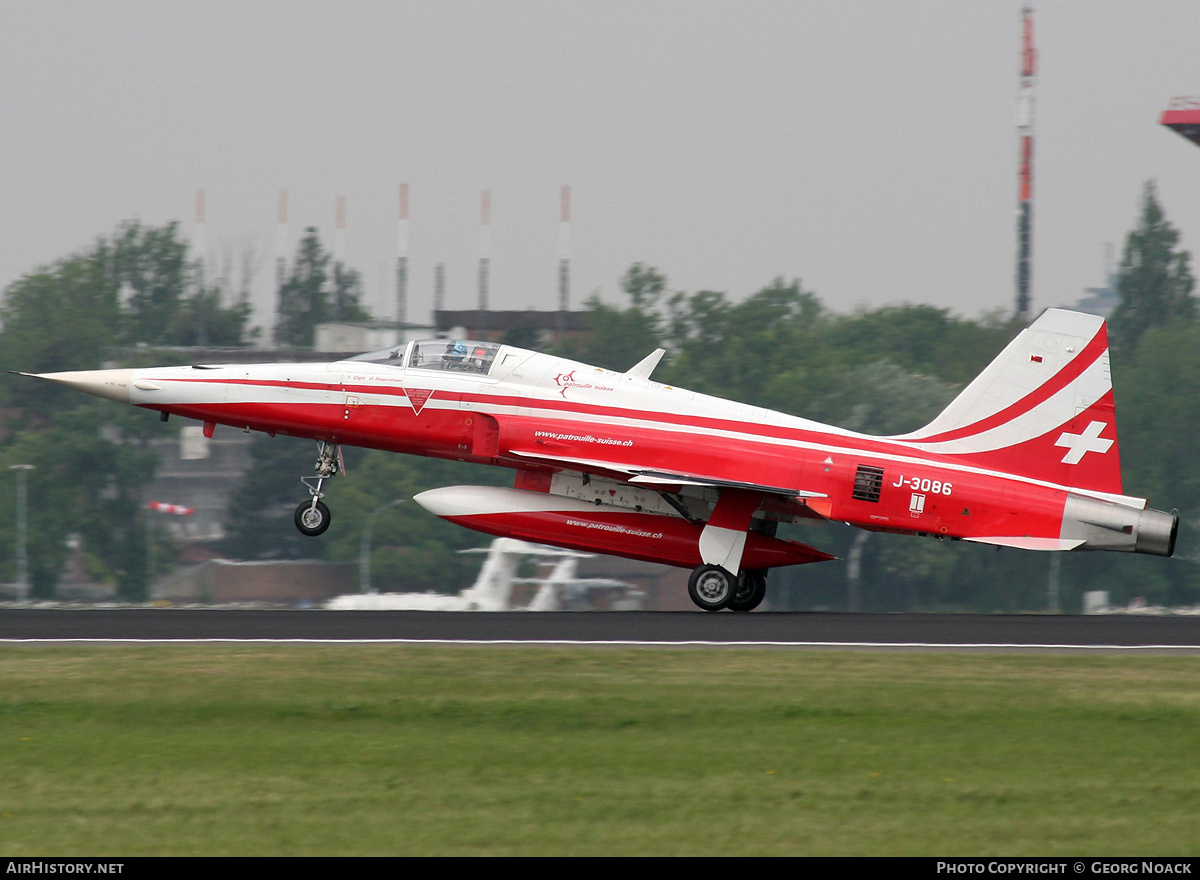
(22, 559)
(364, 548)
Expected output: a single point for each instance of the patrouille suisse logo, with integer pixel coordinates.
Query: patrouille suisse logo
(566, 381)
(418, 397)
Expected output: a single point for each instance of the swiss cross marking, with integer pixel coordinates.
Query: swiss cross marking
(1079, 445)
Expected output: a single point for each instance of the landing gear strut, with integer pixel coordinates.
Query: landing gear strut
(313, 517)
(713, 588)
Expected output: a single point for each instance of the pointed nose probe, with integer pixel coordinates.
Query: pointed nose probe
(113, 384)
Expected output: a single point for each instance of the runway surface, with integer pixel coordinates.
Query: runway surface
(1174, 634)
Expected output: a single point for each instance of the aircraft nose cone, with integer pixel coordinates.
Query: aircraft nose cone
(113, 384)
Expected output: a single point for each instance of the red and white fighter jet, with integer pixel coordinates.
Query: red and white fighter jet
(606, 462)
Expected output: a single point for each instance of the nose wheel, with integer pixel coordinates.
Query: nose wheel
(312, 517)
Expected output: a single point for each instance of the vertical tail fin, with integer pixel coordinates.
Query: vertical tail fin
(492, 589)
(1042, 409)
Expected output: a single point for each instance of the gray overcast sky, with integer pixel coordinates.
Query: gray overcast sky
(865, 147)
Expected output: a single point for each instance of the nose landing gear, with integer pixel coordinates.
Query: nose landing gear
(313, 517)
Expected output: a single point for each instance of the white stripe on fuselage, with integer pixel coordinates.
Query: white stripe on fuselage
(541, 403)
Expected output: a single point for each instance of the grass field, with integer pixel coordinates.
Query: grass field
(412, 750)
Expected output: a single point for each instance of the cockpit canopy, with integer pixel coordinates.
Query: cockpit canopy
(461, 355)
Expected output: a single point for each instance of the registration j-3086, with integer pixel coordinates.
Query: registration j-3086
(924, 484)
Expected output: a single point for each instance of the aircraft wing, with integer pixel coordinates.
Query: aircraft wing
(655, 477)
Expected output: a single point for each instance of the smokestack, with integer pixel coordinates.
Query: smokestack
(199, 241)
(339, 239)
(564, 262)
(1025, 174)
(198, 238)
(485, 245)
(281, 241)
(439, 291)
(402, 259)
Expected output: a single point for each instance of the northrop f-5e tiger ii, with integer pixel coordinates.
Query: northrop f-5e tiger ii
(608, 462)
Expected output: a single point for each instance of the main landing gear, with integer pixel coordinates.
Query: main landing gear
(713, 588)
(313, 517)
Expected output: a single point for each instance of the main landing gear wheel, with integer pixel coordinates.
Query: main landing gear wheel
(711, 587)
(751, 590)
(312, 518)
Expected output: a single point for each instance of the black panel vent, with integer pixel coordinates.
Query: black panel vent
(867, 483)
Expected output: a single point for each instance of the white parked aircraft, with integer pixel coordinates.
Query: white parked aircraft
(493, 588)
(563, 590)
